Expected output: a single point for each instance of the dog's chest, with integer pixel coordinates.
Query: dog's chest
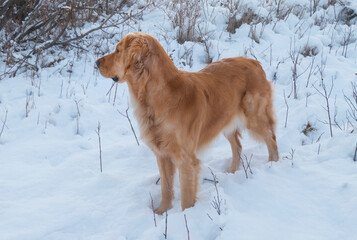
(150, 127)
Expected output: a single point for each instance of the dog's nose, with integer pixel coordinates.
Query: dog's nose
(98, 63)
(115, 79)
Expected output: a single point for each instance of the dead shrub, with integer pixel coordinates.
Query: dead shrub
(184, 15)
(308, 128)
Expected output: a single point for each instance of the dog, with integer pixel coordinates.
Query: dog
(181, 112)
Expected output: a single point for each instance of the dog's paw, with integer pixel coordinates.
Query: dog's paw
(232, 170)
(163, 208)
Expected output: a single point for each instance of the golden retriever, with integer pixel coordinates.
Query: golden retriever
(180, 112)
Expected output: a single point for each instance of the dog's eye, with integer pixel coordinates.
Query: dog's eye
(117, 51)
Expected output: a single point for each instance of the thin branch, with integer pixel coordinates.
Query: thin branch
(153, 209)
(210, 180)
(100, 147)
(110, 89)
(287, 110)
(78, 114)
(248, 163)
(244, 168)
(4, 123)
(188, 231)
(131, 125)
(115, 95)
(310, 72)
(216, 202)
(55, 41)
(165, 233)
(326, 95)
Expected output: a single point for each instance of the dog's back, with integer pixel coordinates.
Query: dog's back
(235, 95)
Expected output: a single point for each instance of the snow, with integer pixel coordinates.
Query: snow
(51, 186)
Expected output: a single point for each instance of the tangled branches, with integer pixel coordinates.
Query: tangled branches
(30, 27)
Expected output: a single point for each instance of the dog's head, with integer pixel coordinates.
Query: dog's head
(130, 57)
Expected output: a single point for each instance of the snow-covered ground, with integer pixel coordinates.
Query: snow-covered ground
(51, 186)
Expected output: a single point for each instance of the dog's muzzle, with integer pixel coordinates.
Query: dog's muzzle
(115, 79)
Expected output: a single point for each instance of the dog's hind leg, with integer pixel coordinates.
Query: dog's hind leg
(167, 171)
(236, 146)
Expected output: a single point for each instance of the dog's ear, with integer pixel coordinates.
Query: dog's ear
(138, 52)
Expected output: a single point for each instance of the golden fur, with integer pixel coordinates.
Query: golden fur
(180, 112)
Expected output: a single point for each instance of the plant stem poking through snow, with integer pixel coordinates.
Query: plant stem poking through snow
(188, 231)
(110, 89)
(115, 95)
(326, 95)
(131, 125)
(27, 106)
(153, 209)
(247, 167)
(3, 124)
(287, 110)
(100, 147)
(216, 202)
(165, 233)
(355, 156)
(212, 221)
(295, 58)
(291, 156)
(78, 115)
(352, 104)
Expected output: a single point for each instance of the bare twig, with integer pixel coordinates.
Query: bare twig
(246, 165)
(131, 125)
(352, 102)
(165, 233)
(27, 105)
(216, 202)
(310, 72)
(319, 138)
(78, 114)
(153, 209)
(326, 95)
(355, 156)
(61, 89)
(291, 156)
(308, 94)
(347, 34)
(287, 110)
(295, 58)
(47, 24)
(212, 221)
(210, 180)
(110, 89)
(336, 123)
(188, 231)
(4, 123)
(115, 95)
(100, 147)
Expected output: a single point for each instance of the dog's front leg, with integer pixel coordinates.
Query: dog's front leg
(167, 171)
(189, 169)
